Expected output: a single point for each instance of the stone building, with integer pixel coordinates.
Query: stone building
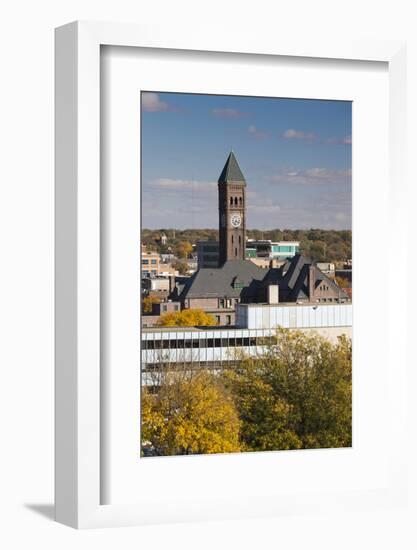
(232, 212)
(219, 290)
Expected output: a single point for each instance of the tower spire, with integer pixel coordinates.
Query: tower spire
(231, 171)
(232, 212)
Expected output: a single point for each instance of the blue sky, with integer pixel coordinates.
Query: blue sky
(296, 156)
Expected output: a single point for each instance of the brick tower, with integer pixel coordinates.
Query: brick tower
(232, 212)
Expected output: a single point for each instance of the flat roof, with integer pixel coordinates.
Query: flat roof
(294, 304)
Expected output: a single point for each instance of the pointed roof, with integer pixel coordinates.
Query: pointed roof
(220, 282)
(231, 170)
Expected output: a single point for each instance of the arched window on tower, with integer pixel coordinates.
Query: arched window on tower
(231, 201)
(235, 201)
(240, 201)
(232, 239)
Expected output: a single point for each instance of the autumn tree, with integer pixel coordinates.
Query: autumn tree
(147, 303)
(189, 415)
(180, 266)
(186, 318)
(298, 394)
(183, 249)
(343, 282)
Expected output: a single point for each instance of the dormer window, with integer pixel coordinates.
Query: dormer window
(237, 284)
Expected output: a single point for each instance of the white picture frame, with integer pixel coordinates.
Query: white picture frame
(78, 263)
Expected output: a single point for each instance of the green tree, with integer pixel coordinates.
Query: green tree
(189, 416)
(297, 395)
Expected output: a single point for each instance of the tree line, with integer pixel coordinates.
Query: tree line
(296, 395)
(322, 245)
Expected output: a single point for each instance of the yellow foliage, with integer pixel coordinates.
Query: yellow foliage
(147, 303)
(183, 249)
(187, 318)
(189, 416)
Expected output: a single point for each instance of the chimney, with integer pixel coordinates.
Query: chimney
(273, 294)
(172, 285)
(311, 282)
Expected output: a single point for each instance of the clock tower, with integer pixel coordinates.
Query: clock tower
(232, 212)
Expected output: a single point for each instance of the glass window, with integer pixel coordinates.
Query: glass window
(217, 342)
(153, 262)
(225, 342)
(187, 343)
(180, 344)
(145, 262)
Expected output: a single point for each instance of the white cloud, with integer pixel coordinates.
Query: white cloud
(263, 205)
(257, 134)
(151, 103)
(227, 113)
(298, 134)
(347, 140)
(310, 176)
(169, 184)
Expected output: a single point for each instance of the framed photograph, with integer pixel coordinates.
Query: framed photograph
(214, 205)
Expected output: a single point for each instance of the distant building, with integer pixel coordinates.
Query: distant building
(277, 250)
(150, 263)
(167, 258)
(266, 263)
(326, 267)
(152, 319)
(191, 265)
(163, 239)
(208, 251)
(207, 254)
(153, 266)
(156, 284)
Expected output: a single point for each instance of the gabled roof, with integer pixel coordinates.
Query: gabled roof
(217, 283)
(231, 171)
(292, 279)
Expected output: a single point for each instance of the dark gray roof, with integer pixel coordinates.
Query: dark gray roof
(210, 283)
(292, 279)
(231, 171)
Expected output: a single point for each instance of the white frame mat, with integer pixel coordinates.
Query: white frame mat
(78, 265)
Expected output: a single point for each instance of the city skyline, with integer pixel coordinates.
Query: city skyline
(295, 155)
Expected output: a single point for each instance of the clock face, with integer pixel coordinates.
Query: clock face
(235, 220)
